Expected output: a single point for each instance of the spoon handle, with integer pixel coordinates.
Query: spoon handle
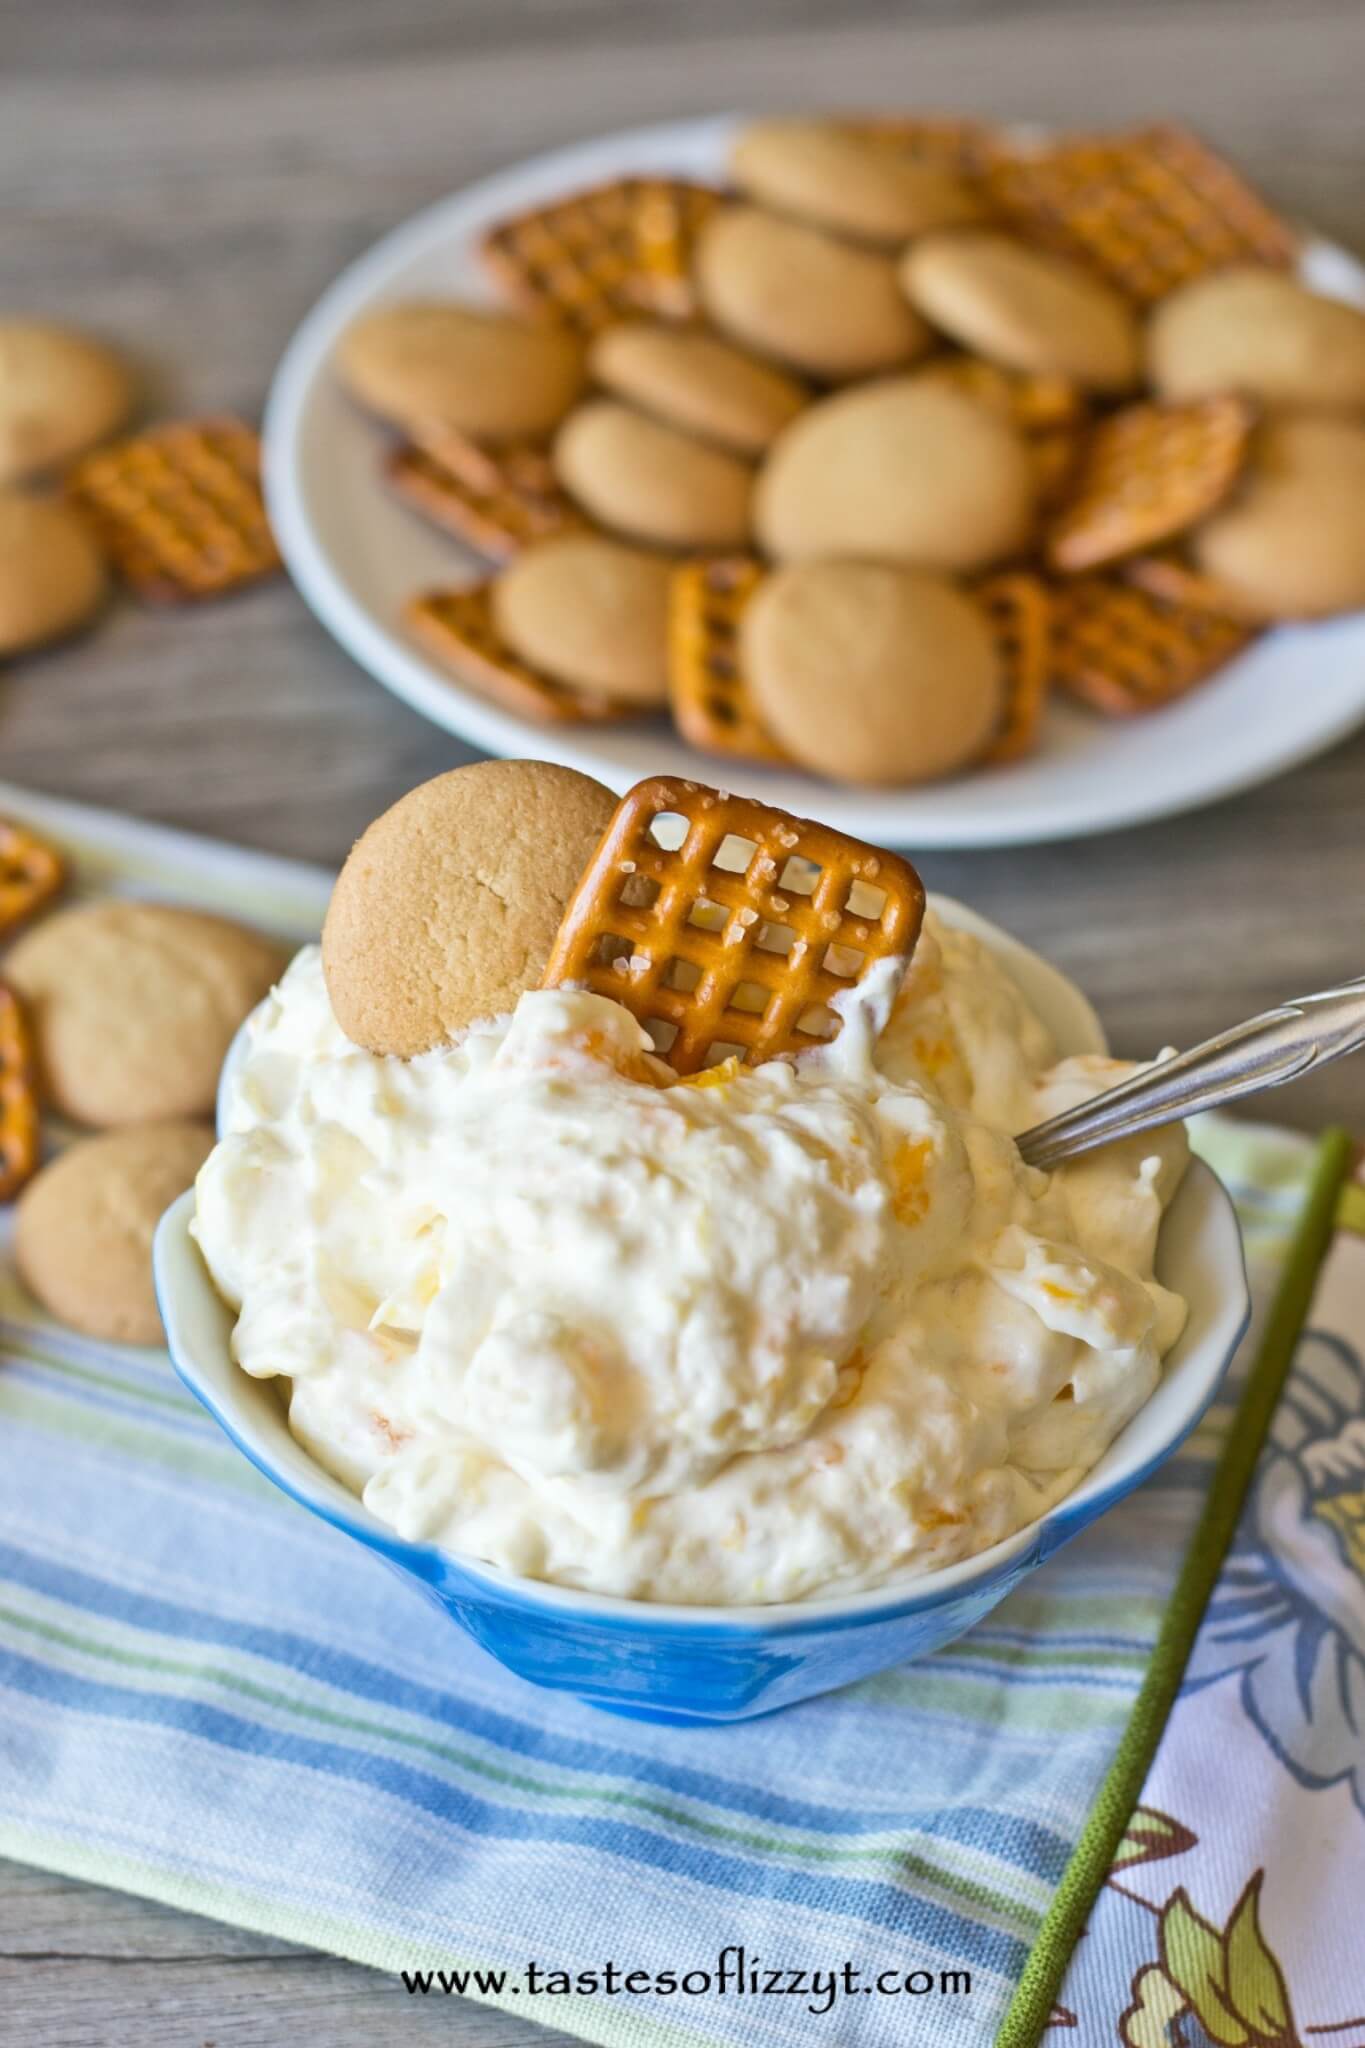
(1267, 1050)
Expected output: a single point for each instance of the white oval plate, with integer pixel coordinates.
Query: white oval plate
(356, 555)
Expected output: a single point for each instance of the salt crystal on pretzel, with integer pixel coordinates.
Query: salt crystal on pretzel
(721, 960)
(18, 1097)
(1145, 474)
(31, 873)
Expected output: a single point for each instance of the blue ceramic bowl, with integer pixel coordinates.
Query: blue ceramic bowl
(699, 1664)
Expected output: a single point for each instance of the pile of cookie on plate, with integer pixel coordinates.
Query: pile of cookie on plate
(853, 463)
(173, 512)
(115, 1017)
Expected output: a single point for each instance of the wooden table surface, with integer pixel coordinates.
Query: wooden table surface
(188, 179)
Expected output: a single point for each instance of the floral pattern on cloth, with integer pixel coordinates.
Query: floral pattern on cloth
(1289, 1612)
(1234, 1914)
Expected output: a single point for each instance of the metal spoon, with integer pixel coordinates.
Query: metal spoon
(1278, 1046)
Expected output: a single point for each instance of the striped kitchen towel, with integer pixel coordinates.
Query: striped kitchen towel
(208, 1697)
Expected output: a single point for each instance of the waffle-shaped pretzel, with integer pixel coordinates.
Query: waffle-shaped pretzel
(713, 706)
(1145, 474)
(458, 627)
(18, 1097)
(31, 873)
(714, 959)
(612, 253)
(1149, 210)
(1123, 651)
(1165, 573)
(179, 511)
(1020, 611)
(494, 501)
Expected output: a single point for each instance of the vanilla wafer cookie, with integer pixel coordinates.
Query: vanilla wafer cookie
(827, 173)
(60, 393)
(52, 575)
(592, 613)
(1262, 333)
(134, 1005)
(435, 362)
(869, 673)
(448, 905)
(84, 1228)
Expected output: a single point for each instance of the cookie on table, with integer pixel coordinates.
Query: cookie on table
(823, 307)
(133, 1006)
(592, 613)
(436, 363)
(60, 393)
(695, 381)
(1024, 308)
(52, 575)
(651, 482)
(871, 674)
(84, 1226)
(448, 905)
(902, 470)
(1261, 333)
(830, 175)
(1290, 542)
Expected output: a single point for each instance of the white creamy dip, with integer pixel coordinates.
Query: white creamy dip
(755, 1336)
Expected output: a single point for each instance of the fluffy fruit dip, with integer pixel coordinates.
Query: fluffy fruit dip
(759, 1335)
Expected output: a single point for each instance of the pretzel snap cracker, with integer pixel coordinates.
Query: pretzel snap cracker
(713, 706)
(496, 501)
(610, 253)
(1145, 474)
(458, 628)
(18, 1097)
(1020, 611)
(1149, 210)
(731, 959)
(1123, 651)
(179, 510)
(31, 873)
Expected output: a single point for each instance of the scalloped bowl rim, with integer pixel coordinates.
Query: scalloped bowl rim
(198, 1322)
